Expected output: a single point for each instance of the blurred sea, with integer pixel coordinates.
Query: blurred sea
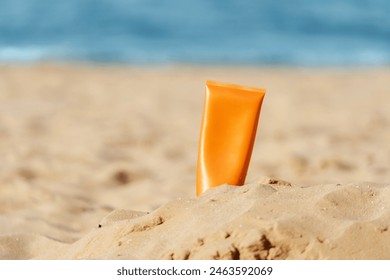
(284, 32)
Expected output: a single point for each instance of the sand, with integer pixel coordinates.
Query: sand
(99, 163)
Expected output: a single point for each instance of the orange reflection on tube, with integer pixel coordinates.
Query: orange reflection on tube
(228, 130)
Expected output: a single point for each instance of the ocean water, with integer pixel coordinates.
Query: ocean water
(259, 32)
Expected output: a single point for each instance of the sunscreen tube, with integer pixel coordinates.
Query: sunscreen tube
(228, 130)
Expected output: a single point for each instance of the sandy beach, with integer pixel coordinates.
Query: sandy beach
(100, 162)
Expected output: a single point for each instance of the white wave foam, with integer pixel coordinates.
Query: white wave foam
(24, 54)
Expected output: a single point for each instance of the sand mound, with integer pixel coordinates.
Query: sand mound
(251, 222)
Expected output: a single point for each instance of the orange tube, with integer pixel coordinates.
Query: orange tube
(228, 130)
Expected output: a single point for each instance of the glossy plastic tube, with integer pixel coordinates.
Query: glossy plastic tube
(228, 130)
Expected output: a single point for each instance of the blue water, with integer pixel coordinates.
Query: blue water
(271, 32)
